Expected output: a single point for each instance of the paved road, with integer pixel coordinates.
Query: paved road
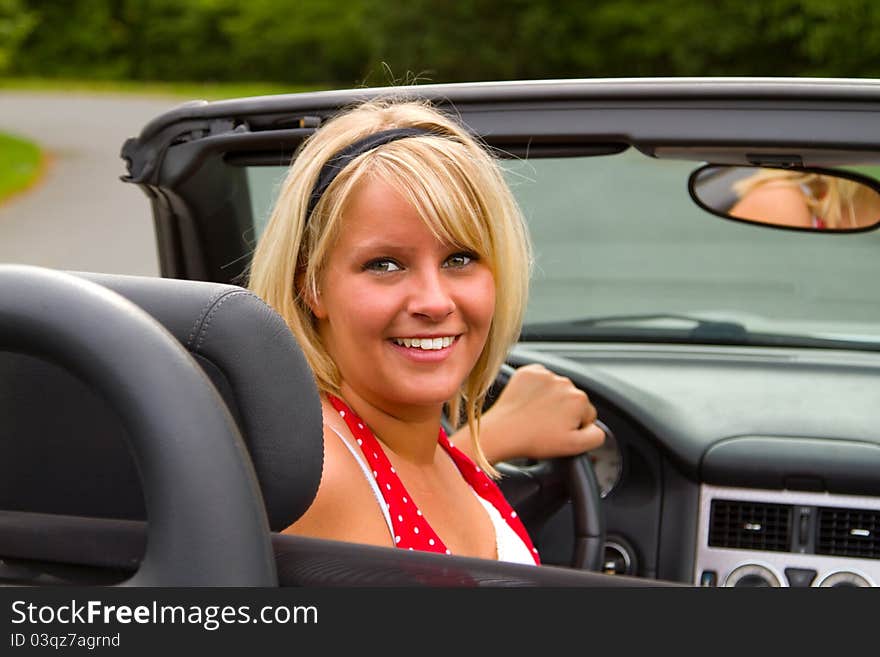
(80, 216)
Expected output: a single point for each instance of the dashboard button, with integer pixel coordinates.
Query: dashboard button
(708, 578)
(843, 578)
(800, 576)
(753, 575)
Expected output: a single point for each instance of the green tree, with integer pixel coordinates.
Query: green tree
(494, 39)
(349, 42)
(299, 40)
(74, 39)
(173, 40)
(15, 24)
(843, 38)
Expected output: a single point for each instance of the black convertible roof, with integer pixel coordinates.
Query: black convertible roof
(539, 91)
(190, 160)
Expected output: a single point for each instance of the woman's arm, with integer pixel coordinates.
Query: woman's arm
(538, 415)
(780, 204)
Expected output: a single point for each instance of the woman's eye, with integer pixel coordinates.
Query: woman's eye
(460, 260)
(382, 265)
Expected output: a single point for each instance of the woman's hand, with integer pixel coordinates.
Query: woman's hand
(539, 415)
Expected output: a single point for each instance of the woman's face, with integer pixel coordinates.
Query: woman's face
(404, 315)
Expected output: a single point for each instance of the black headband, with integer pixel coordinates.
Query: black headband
(341, 159)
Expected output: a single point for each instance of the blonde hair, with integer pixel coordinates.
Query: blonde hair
(833, 199)
(459, 192)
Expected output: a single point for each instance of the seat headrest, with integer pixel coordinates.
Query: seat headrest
(68, 436)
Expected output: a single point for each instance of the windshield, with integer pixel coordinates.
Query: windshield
(617, 238)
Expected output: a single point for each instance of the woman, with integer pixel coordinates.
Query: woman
(806, 200)
(399, 259)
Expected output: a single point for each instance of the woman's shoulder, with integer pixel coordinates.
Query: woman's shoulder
(344, 507)
(775, 202)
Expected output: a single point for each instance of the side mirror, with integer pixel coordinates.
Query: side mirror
(800, 199)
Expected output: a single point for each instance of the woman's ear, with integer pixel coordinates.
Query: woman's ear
(312, 298)
(315, 302)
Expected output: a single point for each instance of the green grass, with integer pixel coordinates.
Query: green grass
(182, 90)
(20, 162)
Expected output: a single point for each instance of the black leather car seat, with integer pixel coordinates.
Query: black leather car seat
(71, 507)
(66, 453)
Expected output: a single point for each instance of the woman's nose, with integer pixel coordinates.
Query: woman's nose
(431, 296)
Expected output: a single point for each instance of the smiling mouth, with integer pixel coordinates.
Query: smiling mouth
(425, 344)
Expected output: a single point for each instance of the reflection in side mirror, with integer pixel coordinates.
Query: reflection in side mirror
(805, 199)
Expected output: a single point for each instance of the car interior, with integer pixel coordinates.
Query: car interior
(77, 491)
(741, 411)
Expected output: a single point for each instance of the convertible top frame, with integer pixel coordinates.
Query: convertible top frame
(189, 160)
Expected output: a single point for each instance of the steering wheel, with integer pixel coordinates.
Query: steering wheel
(538, 490)
(206, 519)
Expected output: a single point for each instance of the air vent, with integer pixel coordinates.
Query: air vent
(849, 533)
(750, 526)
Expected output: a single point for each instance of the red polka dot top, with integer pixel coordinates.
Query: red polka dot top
(409, 527)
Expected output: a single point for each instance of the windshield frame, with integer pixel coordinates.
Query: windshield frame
(191, 161)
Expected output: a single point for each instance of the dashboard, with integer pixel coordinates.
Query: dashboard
(730, 466)
(764, 538)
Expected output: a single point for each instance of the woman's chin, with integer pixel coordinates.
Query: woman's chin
(428, 399)
(425, 395)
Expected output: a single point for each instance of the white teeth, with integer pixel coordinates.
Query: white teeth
(426, 344)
